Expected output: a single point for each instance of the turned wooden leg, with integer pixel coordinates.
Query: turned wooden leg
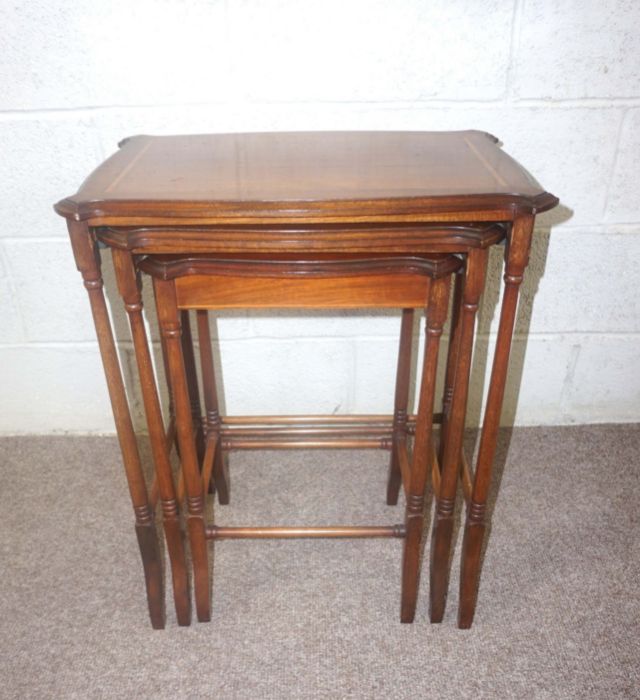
(452, 359)
(88, 262)
(400, 404)
(172, 438)
(192, 383)
(129, 284)
(442, 530)
(516, 260)
(436, 314)
(213, 423)
(171, 328)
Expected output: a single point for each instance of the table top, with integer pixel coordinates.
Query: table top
(302, 176)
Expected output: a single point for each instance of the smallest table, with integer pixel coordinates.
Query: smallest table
(306, 220)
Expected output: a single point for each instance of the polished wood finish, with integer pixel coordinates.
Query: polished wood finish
(211, 452)
(130, 289)
(238, 292)
(306, 220)
(455, 236)
(399, 448)
(476, 264)
(281, 432)
(360, 277)
(335, 531)
(435, 473)
(303, 177)
(452, 357)
(171, 328)
(466, 478)
(88, 263)
(332, 419)
(213, 421)
(192, 381)
(351, 281)
(516, 260)
(326, 443)
(403, 375)
(414, 512)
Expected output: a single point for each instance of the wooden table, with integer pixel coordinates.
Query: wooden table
(301, 220)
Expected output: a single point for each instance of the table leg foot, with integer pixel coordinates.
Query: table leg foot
(440, 553)
(221, 478)
(470, 287)
(152, 565)
(414, 518)
(411, 559)
(170, 326)
(395, 478)
(516, 260)
(200, 557)
(181, 595)
(470, 572)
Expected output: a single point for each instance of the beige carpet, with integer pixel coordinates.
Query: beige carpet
(558, 614)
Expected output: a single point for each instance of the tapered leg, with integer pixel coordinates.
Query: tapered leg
(220, 473)
(167, 376)
(129, 285)
(414, 519)
(516, 259)
(192, 382)
(452, 359)
(442, 531)
(87, 261)
(171, 328)
(400, 404)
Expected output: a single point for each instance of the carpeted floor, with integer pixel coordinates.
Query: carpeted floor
(558, 613)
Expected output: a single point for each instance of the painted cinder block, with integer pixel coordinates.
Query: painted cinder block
(43, 160)
(571, 151)
(576, 49)
(334, 323)
(536, 387)
(623, 204)
(540, 372)
(53, 388)
(588, 283)
(11, 329)
(285, 376)
(362, 51)
(605, 386)
(50, 294)
(578, 280)
(381, 66)
(112, 52)
(375, 372)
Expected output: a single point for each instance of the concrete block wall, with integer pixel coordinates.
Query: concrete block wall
(559, 83)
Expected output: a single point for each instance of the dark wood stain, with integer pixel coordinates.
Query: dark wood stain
(305, 220)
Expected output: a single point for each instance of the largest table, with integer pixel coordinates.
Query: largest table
(338, 219)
